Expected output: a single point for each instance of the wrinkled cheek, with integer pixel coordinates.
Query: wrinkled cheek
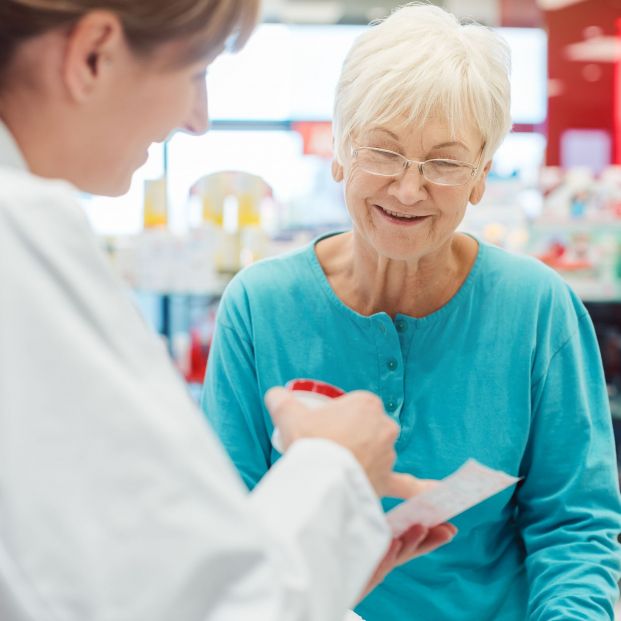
(459, 215)
(360, 214)
(455, 211)
(355, 205)
(358, 199)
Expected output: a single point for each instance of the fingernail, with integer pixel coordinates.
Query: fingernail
(274, 397)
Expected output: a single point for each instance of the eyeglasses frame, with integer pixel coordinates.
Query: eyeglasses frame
(408, 162)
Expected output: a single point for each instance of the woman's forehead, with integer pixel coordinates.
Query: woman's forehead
(435, 132)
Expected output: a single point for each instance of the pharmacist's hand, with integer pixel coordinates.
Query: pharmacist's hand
(357, 422)
(415, 541)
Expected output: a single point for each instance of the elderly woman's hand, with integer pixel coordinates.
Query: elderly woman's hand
(416, 541)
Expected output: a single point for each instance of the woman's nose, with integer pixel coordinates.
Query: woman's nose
(410, 186)
(198, 120)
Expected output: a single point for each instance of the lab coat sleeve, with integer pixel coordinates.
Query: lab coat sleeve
(568, 504)
(117, 502)
(290, 497)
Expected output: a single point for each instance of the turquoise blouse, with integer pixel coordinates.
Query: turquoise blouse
(507, 372)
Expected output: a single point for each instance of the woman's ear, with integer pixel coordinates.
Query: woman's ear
(476, 194)
(92, 43)
(337, 171)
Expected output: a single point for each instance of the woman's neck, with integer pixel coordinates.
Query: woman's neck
(24, 126)
(369, 283)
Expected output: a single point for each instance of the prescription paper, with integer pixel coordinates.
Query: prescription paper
(466, 487)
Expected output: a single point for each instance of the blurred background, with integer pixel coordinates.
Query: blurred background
(258, 183)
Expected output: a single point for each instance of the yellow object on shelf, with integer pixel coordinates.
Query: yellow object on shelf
(232, 201)
(155, 203)
(249, 212)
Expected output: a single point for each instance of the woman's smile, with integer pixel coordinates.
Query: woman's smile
(400, 218)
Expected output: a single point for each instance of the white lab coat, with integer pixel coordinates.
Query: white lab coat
(117, 502)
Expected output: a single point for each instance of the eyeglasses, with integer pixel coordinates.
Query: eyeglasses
(390, 164)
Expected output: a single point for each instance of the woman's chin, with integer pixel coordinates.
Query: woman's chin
(396, 248)
(119, 190)
(107, 187)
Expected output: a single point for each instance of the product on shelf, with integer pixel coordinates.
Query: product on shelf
(155, 203)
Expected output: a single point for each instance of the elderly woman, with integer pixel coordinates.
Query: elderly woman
(475, 352)
(116, 500)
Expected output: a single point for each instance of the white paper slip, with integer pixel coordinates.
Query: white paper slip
(466, 487)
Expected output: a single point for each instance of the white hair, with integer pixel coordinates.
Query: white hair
(422, 61)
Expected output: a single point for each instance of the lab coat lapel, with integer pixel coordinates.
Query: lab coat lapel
(10, 155)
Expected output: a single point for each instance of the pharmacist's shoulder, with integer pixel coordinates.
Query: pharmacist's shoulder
(523, 278)
(45, 234)
(26, 199)
(18, 187)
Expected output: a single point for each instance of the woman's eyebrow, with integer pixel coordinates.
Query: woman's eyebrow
(454, 143)
(386, 131)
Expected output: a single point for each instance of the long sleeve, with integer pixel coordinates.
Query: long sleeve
(292, 495)
(117, 503)
(231, 399)
(507, 372)
(568, 505)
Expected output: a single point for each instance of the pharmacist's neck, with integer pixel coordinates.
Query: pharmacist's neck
(370, 283)
(42, 137)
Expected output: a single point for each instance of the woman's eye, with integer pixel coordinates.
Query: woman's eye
(385, 154)
(389, 155)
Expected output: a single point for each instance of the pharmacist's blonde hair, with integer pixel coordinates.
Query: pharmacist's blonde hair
(419, 62)
(204, 26)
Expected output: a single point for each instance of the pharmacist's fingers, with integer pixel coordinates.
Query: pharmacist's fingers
(400, 485)
(286, 411)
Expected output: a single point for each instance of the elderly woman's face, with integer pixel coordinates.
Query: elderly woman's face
(406, 216)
